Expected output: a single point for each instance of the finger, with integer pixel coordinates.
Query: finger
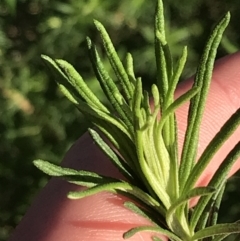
(102, 217)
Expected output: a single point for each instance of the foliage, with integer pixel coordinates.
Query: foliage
(36, 121)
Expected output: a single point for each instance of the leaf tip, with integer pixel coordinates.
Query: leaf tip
(46, 58)
(38, 163)
(73, 195)
(97, 24)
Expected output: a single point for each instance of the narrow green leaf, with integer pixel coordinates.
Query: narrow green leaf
(156, 95)
(54, 170)
(159, 169)
(160, 42)
(157, 210)
(67, 94)
(155, 238)
(115, 61)
(217, 180)
(202, 80)
(159, 18)
(215, 144)
(160, 230)
(198, 191)
(176, 104)
(111, 187)
(153, 186)
(60, 78)
(110, 88)
(95, 114)
(162, 79)
(79, 85)
(212, 220)
(163, 56)
(122, 166)
(176, 76)
(137, 98)
(84, 178)
(146, 103)
(130, 68)
(217, 229)
(151, 181)
(120, 141)
(140, 211)
(123, 188)
(210, 213)
(67, 76)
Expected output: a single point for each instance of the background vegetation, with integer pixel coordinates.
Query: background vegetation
(36, 121)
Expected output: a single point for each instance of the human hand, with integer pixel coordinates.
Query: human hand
(102, 217)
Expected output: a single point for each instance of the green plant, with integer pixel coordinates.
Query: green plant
(144, 147)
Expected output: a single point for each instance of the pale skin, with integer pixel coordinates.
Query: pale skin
(52, 216)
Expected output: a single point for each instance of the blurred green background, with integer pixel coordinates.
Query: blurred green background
(36, 121)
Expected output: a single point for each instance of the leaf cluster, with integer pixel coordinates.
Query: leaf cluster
(144, 147)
